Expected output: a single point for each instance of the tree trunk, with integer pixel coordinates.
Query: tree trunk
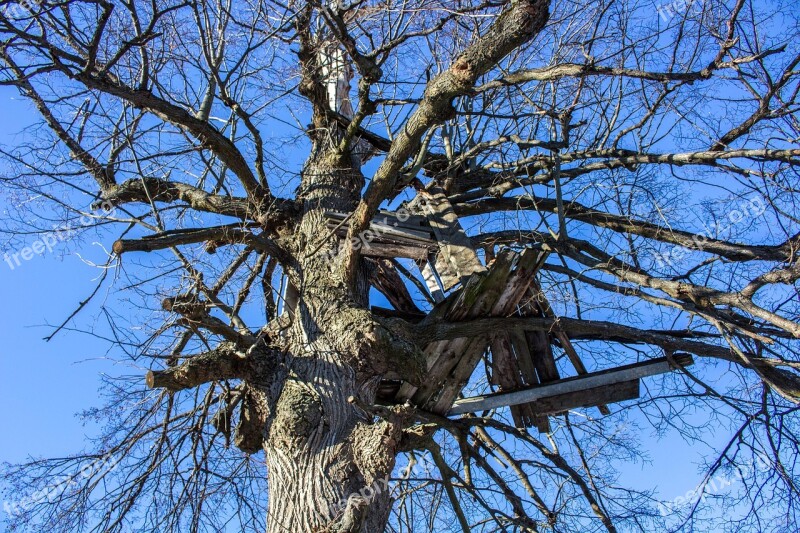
(328, 463)
(328, 470)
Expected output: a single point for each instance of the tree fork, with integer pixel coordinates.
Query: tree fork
(513, 28)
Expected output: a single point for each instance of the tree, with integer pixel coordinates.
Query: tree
(635, 163)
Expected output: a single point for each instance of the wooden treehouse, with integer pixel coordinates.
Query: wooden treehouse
(522, 366)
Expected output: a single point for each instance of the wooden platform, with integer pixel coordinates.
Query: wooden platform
(496, 292)
(521, 364)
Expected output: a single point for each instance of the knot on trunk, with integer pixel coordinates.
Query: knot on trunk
(298, 414)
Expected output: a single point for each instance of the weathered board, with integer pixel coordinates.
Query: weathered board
(434, 288)
(389, 236)
(522, 273)
(527, 369)
(592, 397)
(507, 375)
(456, 259)
(541, 307)
(577, 386)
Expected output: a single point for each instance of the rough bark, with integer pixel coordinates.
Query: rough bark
(328, 462)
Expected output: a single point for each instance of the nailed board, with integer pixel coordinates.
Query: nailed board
(527, 371)
(539, 306)
(387, 225)
(456, 259)
(592, 397)
(522, 273)
(508, 376)
(574, 385)
(474, 299)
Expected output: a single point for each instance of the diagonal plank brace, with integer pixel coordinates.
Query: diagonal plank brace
(572, 385)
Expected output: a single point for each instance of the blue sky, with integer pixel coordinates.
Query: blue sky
(42, 384)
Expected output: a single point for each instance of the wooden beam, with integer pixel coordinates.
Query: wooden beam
(386, 224)
(389, 237)
(387, 250)
(571, 385)
(508, 375)
(618, 392)
(475, 298)
(385, 278)
(524, 266)
(451, 363)
(543, 306)
(528, 372)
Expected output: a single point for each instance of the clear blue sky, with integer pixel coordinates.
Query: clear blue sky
(43, 385)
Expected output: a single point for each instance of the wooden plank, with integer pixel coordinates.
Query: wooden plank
(391, 251)
(523, 266)
(569, 385)
(542, 356)
(439, 356)
(289, 298)
(524, 358)
(479, 294)
(476, 298)
(539, 342)
(415, 225)
(431, 282)
(385, 241)
(528, 372)
(405, 219)
(408, 248)
(507, 375)
(457, 259)
(539, 301)
(385, 216)
(379, 231)
(443, 358)
(458, 378)
(619, 392)
(494, 293)
(385, 278)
